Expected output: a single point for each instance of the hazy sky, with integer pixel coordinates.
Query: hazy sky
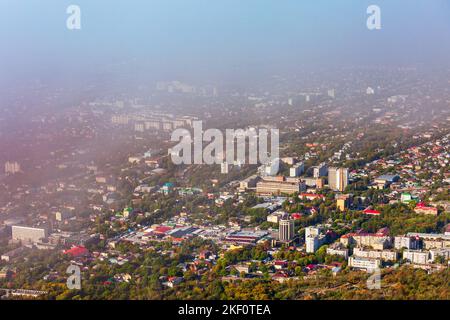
(192, 37)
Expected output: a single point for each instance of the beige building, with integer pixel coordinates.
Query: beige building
(337, 178)
(279, 187)
(385, 255)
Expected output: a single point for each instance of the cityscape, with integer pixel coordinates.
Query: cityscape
(352, 204)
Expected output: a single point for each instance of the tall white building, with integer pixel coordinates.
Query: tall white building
(313, 239)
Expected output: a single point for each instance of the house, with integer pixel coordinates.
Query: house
(172, 282)
(371, 212)
(77, 252)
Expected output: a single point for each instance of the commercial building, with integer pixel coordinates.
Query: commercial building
(277, 187)
(245, 237)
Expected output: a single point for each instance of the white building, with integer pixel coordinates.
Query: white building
(297, 169)
(364, 263)
(272, 168)
(313, 239)
(337, 249)
(320, 171)
(12, 167)
(28, 234)
(416, 256)
(444, 252)
(401, 242)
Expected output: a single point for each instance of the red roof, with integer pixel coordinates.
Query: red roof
(372, 212)
(422, 206)
(77, 251)
(296, 216)
(162, 229)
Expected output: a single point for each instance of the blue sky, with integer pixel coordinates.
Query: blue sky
(189, 36)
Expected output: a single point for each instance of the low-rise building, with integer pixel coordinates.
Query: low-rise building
(364, 263)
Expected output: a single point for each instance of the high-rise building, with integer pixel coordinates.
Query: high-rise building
(313, 239)
(320, 171)
(338, 178)
(286, 228)
(297, 169)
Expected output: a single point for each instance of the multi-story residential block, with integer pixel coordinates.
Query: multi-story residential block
(378, 241)
(338, 249)
(401, 242)
(432, 240)
(385, 255)
(416, 256)
(338, 178)
(320, 171)
(297, 169)
(435, 253)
